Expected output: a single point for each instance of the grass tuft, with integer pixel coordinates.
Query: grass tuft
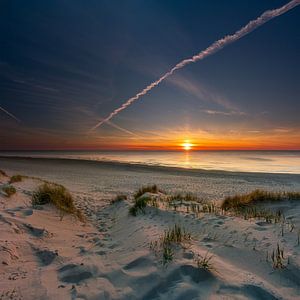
(146, 189)
(173, 236)
(168, 254)
(278, 259)
(9, 190)
(140, 202)
(255, 197)
(204, 262)
(139, 205)
(15, 178)
(176, 235)
(184, 197)
(118, 198)
(59, 196)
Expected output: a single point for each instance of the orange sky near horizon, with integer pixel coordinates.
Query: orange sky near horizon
(167, 140)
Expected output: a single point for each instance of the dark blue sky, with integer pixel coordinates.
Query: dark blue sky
(65, 64)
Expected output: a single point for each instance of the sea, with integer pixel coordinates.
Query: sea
(236, 161)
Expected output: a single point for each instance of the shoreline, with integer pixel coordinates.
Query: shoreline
(104, 180)
(141, 166)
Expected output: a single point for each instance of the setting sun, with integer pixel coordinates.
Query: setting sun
(187, 146)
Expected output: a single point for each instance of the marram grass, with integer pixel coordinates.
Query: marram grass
(59, 196)
(256, 197)
(9, 190)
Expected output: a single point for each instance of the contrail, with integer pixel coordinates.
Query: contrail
(213, 48)
(117, 127)
(9, 114)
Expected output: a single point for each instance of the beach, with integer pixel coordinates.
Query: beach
(107, 179)
(115, 255)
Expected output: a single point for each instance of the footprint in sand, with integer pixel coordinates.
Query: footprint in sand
(72, 273)
(35, 231)
(46, 257)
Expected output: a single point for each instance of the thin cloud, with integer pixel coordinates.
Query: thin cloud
(10, 114)
(224, 113)
(117, 127)
(199, 91)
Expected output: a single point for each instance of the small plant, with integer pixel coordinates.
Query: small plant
(173, 236)
(118, 198)
(168, 254)
(15, 178)
(176, 235)
(146, 189)
(204, 262)
(139, 205)
(59, 196)
(278, 259)
(3, 173)
(9, 190)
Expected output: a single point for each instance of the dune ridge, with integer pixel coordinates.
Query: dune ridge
(109, 256)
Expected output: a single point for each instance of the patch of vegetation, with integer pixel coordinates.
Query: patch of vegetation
(118, 198)
(204, 262)
(258, 196)
(184, 197)
(260, 213)
(9, 190)
(278, 260)
(15, 178)
(168, 254)
(173, 236)
(3, 173)
(139, 205)
(140, 201)
(59, 196)
(184, 202)
(210, 207)
(176, 235)
(146, 189)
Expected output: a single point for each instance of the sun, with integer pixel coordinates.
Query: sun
(187, 146)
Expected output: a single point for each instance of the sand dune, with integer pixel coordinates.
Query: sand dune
(109, 256)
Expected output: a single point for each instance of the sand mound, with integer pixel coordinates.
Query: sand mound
(44, 257)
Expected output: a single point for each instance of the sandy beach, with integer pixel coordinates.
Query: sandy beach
(111, 254)
(149, 150)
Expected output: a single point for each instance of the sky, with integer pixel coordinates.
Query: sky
(67, 64)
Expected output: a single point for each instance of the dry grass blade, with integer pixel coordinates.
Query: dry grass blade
(9, 190)
(118, 198)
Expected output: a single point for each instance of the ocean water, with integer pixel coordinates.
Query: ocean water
(242, 161)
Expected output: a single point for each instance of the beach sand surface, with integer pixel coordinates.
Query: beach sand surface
(109, 256)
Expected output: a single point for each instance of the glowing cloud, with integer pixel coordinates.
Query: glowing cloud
(215, 47)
